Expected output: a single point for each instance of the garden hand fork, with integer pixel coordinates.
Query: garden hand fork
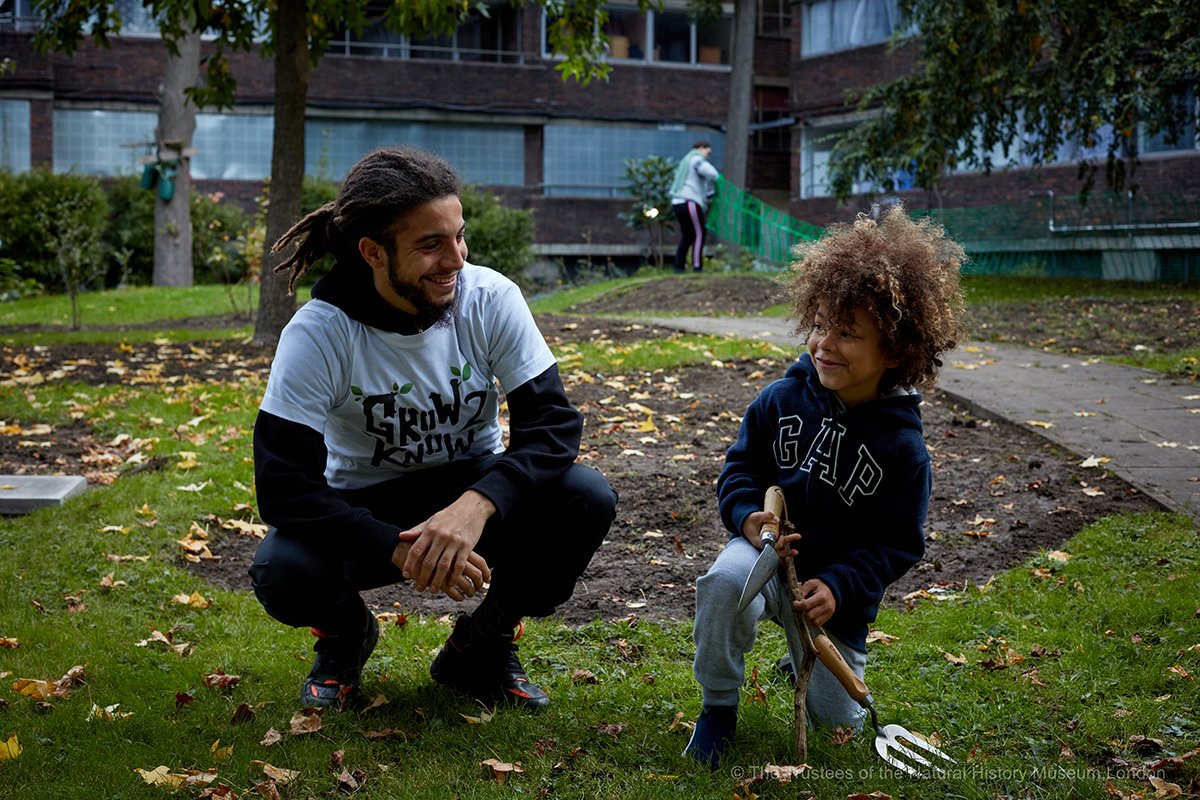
(893, 742)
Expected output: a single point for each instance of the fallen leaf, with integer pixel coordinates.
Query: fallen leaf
(1092, 462)
(220, 753)
(500, 770)
(219, 680)
(957, 661)
(278, 774)
(389, 733)
(878, 636)
(304, 722)
(1039, 424)
(841, 735)
(195, 600)
(243, 713)
(9, 642)
(483, 718)
(108, 713)
(782, 774)
(1059, 555)
(272, 738)
(1093, 491)
(10, 748)
(678, 723)
(1165, 789)
(583, 676)
(611, 729)
(1179, 672)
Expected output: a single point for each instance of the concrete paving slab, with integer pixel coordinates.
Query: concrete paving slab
(20, 494)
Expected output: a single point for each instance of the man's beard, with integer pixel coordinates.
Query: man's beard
(429, 314)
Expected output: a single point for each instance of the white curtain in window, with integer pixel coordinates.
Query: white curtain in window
(831, 25)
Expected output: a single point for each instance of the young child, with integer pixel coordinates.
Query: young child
(841, 434)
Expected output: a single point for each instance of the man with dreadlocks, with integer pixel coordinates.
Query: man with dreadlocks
(378, 451)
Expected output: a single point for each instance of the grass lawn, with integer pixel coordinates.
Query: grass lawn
(1073, 675)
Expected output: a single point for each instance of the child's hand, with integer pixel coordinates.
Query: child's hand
(752, 527)
(817, 603)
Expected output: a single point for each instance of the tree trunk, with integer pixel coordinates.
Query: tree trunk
(275, 305)
(741, 92)
(176, 124)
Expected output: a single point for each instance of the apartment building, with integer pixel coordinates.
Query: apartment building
(489, 98)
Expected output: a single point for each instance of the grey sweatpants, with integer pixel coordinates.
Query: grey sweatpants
(723, 637)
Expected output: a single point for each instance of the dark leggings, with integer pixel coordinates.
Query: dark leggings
(691, 235)
(536, 553)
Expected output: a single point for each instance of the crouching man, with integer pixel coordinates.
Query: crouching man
(378, 451)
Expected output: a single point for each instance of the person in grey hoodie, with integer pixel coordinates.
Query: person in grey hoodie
(695, 180)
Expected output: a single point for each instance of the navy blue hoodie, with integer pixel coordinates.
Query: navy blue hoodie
(856, 481)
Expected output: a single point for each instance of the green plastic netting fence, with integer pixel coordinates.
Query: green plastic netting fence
(767, 233)
(1112, 236)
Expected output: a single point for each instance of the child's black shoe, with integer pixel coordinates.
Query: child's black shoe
(713, 734)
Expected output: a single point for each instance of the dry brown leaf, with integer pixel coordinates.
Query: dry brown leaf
(278, 774)
(879, 637)
(304, 722)
(193, 600)
(10, 748)
(841, 735)
(390, 733)
(9, 642)
(272, 738)
(611, 729)
(1165, 789)
(583, 676)
(677, 723)
(782, 774)
(219, 680)
(957, 661)
(500, 770)
(108, 713)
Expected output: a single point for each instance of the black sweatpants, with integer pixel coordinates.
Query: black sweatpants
(536, 553)
(688, 254)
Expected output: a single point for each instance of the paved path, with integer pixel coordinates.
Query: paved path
(1148, 425)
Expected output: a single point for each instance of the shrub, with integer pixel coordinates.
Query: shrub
(648, 183)
(129, 238)
(217, 228)
(497, 236)
(52, 226)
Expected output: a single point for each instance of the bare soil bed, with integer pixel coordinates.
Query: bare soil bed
(1001, 492)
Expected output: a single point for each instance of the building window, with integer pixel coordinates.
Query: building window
(492, 155)
(660, 37)
(1186, 140)
(233, 146)
(97, 142)
(775, 18)
(832, 25)
(495, 38)
(14, 135)
(238, 146)
(589, 160)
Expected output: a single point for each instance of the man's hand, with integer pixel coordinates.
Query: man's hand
(816, 603)
(441, 553)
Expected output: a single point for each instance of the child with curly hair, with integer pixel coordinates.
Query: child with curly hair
(840, 433)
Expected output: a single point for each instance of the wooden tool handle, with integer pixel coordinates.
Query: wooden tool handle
(833, 661)
(773, 502)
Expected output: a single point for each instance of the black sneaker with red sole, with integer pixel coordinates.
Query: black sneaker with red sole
(336, 676)
(486, 668)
